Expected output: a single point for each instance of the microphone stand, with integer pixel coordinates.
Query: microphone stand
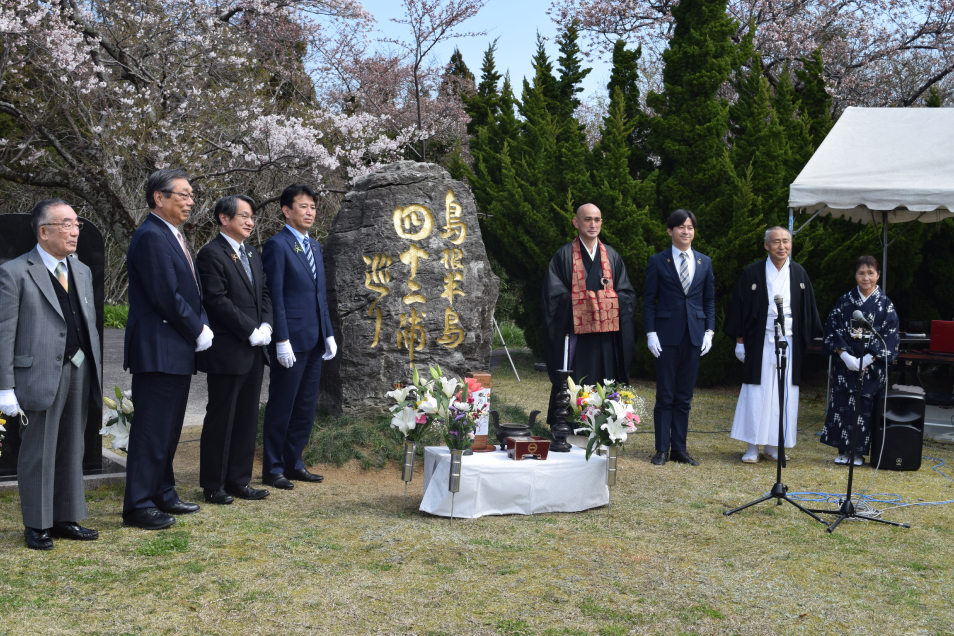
(847, 508)
(779, 491)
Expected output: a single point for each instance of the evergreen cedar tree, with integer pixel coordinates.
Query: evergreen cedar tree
(529, 174)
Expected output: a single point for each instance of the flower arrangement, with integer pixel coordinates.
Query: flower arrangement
(443, 402)
(119, 422)
(606, 413)
(2, 430)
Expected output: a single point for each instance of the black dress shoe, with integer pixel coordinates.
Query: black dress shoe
(683, 458)
(247, 492)
(38, 539)
(659, 458)
(218, 497)
(180, 508)
(278, 481)
(303, 475)
(72, 530)
(148, 519)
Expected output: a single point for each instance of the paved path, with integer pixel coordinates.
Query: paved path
(113, 375)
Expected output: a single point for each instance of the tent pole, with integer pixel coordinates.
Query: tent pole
(884, 254)
(791, 220)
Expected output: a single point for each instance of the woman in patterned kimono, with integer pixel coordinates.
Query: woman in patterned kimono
(843, 338)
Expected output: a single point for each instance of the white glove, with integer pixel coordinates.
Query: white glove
(706, 343)
(286, 357)
(331, 348)
(866, 361)
(850, 361)
(204, 341)
(740, 351)
(653, 341)
(257, 339)
(266, 331)
(8, 403)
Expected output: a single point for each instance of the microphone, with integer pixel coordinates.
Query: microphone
(857, 316)
(779, 301)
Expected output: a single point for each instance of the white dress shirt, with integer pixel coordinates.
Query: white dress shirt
(779, 282)
(592, 253)
(299, 236)
(50, 261)
(677, 259)
(236, 246)
(175, 230)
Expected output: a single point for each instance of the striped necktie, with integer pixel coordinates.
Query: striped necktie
(311, 259)
(60, 273)
(684, 273)
(244, 258)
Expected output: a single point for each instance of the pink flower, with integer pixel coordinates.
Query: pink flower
(421, 419)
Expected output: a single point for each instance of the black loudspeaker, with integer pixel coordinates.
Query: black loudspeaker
(901, 430)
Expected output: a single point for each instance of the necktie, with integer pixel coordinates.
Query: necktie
(684, 273)
(244, 258)
(311, 259)
(60, 273)
(188, 258)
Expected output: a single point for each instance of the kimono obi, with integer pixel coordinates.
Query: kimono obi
(593, 311)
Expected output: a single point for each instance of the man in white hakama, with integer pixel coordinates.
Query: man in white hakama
(751, 321)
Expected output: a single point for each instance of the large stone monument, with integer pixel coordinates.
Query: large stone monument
(409, 285)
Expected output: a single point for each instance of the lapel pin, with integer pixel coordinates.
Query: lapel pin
(699, 261)
(298, 249)
(235, 257)
(668, 260)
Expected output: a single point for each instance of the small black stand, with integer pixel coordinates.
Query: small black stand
(779, 490)
(560, 429)
(847, 508)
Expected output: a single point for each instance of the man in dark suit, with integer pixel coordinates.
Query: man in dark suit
(166, 327)
(679, 318)
(302, 339)
(50, 367)
(240, 314)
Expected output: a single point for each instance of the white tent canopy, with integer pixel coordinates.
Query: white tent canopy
(895, 160)
(881, 165)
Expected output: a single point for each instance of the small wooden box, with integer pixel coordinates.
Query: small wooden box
(520, 447)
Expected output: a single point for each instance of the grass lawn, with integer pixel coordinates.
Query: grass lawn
(342, 558)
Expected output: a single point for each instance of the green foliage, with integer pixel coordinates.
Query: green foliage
(339, 439)
(115, 316)
(933, 100)
(512, 334)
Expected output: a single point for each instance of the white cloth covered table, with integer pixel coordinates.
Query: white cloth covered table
(493, 484)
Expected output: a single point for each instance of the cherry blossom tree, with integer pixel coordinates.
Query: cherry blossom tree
(95, 95)
(876, 52)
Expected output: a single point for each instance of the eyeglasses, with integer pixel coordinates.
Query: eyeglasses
(67, 226)
(246, 217)
(185, 196)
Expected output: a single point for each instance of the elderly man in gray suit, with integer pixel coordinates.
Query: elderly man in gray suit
(49, 366)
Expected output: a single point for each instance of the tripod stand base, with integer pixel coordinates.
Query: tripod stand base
(779, 493)
(847, 511)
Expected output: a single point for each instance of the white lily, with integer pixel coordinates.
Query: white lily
(616, 429)
(449, 387)
(594, 400)
(428, 405)
(574, 393)
(465, 407)
(620, 409)
(608, 382)
(120, 435)
(110, 403)
(128, 407)
(405, 420)
(127, 394)
(399, 395)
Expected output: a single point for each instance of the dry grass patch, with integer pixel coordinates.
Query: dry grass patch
(342, 557)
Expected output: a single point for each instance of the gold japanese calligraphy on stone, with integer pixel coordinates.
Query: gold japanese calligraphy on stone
(411, 334)
(414, 222)
(377, 280)
(450, 286)
(451, 258)
(412, 257)
(455, 230)
(453, 335)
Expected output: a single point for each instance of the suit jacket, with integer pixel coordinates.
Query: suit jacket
(299, 302)
(33, 329)
(667, 309)
(235, 306)
(165, 303)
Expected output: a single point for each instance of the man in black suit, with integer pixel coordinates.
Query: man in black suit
(166, 327)
(240, 314)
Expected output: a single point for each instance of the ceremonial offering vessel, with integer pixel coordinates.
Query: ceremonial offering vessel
(511, 429)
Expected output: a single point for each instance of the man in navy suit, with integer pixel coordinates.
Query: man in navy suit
(679, 318)
(166, 327)
(302, 338)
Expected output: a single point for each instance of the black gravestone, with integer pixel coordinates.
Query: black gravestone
(16, 239)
